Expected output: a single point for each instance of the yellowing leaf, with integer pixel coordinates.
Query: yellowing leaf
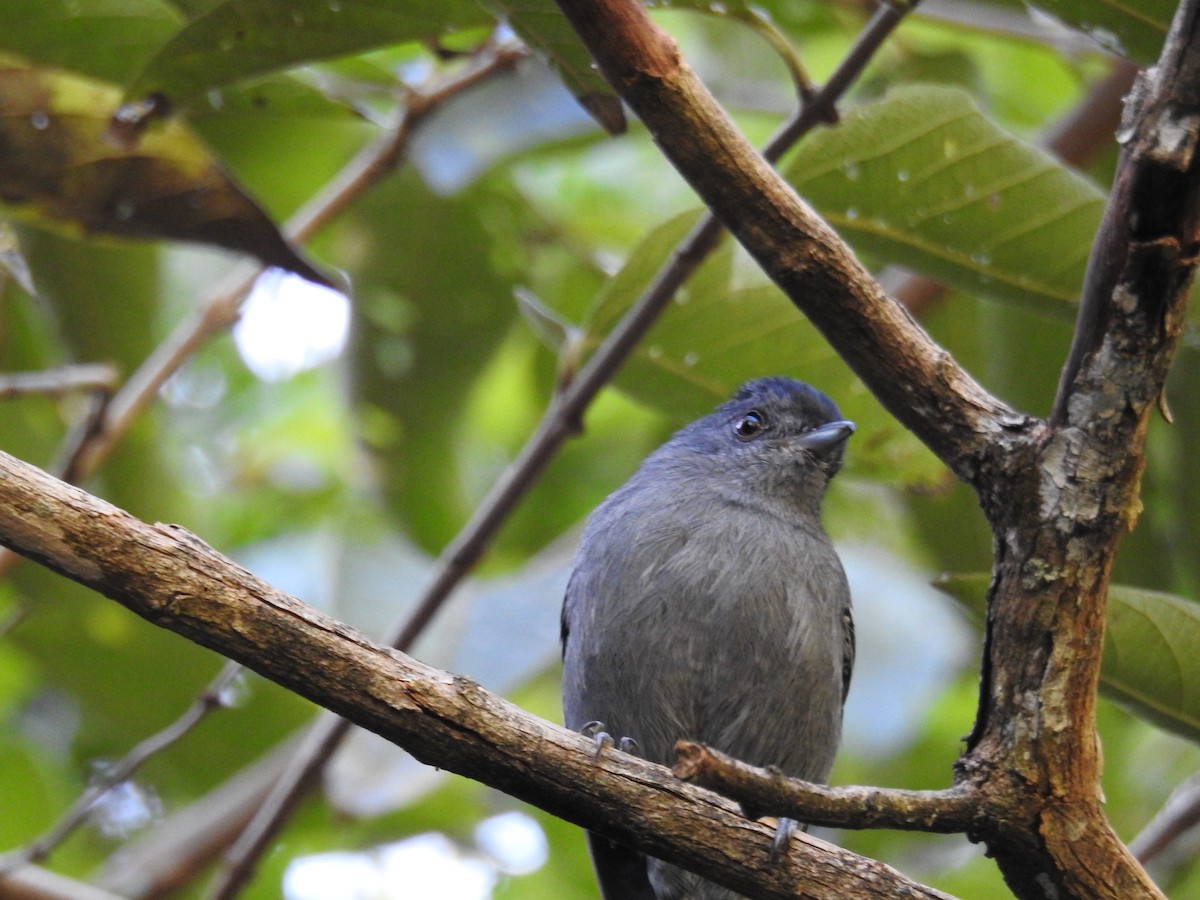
(61, 167)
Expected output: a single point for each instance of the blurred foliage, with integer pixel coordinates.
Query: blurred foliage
(1149, 650)
(340, 482)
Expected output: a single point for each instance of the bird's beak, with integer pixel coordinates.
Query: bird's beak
(824, 440)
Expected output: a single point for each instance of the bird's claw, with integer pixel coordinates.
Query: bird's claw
(595, 730)
(784, 829)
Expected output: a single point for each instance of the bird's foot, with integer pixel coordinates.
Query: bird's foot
(595, 730)
(784, 829)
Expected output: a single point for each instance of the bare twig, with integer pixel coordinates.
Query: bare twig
(1179, 815)
(121, 771)
(98, 380)
(766, 792)
(31, 882)
(561, 420)
(177, 850)
(63, 380)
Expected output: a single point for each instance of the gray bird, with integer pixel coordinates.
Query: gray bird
(707, 603)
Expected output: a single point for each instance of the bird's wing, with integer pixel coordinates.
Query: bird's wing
(620, 871)
(847, 651)
(564, 623)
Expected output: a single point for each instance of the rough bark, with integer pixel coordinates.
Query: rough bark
(172, 578)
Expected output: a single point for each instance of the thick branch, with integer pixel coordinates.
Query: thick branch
(915, 379)
(1063, 503)
(1144, 256)
(175, 580)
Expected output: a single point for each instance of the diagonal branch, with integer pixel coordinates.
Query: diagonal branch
(915, 379)
(175, 580)
(211, 698)
(1143, 260)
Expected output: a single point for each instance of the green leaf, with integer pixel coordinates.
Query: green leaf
(718, 334)
(541, 25)
(249, 124)
(922, 178)
(62, 168)
(428, 321)
(106, 39)
(240, 39)
(1133, 28)
(1151, 657)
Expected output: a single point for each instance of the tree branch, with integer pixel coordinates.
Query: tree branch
(767, 792)
(212, 697)
(1143, 259)
(173, 579)
(55, 382)
(916, 380)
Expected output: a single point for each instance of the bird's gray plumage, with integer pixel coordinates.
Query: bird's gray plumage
(708, 603)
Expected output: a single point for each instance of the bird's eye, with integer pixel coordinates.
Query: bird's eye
(750, 425)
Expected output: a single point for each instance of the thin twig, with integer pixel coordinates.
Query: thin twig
(211, 698)
(1178, 816)
(98, 380)
(167, 858)
(768, 792)
(561, 420)
(56, 382)
(35, 883)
